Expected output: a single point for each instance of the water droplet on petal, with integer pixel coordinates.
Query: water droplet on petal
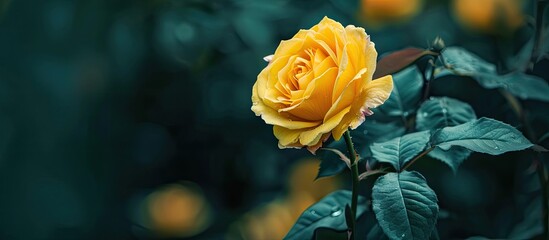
(496, 148)
(424, 114)
(444, 110)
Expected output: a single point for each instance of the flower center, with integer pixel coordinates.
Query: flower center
(301, 66)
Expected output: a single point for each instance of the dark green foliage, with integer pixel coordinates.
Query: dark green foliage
(466, 63)
(524, 86)
(376, 233)
(453, 157)
(483, 135)
(439, 112)
(531, 224)
(405, 207)
(331, 163)
(390, 119)
(330, 166)
(375, 130)
(400, 150)
(406, 93)
(519, 84)
(327, 213)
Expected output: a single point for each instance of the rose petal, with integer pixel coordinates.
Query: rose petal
(379, 91)
(311, 137)
(347, 96)
(317, 146)
(375, 93)
(273, 117)
(315, 106)
(286, 136)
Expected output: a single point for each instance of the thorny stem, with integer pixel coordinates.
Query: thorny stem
(354, 173)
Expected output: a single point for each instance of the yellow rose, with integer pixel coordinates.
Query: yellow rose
(319, 83)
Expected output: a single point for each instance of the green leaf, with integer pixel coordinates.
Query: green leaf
(452, 157)
(544, 48)
(519, 84)
(521, 60)
(442, 112)
(531, 224)
(406, 93)
(466, 63)
(331, 163)
(400, 150)
(329, 213)
(439, 112)
(484, 135)
(328, 167)
(374, 130)
(405, 207)
(376, 233)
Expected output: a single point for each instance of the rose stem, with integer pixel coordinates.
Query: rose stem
(354, 173)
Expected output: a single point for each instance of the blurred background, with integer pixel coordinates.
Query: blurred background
(131, 119)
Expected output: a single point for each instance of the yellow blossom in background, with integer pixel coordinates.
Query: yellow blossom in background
(319, 83)
(275, 219)
(177, 210)
(499, 17)
(302, 180)
(378, 12)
